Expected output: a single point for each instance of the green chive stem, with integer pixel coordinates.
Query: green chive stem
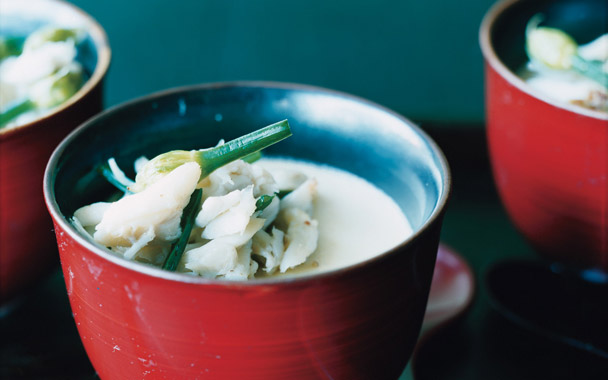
(212, 158)
(215, 158)
(186, 223)
(14, 110)
(112, 173)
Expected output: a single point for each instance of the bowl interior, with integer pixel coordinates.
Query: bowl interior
(328, 127)
(584, 20)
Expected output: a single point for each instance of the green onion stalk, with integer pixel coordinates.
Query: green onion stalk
(186, 223)
(212, 158)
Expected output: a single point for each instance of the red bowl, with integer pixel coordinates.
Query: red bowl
(549, 159)
(27, 246)
(359, 322)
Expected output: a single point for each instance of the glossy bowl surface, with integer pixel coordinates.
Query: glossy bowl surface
(549, 159)
(27, 246)
(359, 322)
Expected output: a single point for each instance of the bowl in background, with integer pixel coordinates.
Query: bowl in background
(27, 246)
(549, 158)
(361, 321)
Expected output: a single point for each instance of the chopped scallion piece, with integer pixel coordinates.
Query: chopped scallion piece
(263, 202)
(283, 193)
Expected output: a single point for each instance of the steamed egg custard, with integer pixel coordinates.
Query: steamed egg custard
(357, 221)
(225, 213)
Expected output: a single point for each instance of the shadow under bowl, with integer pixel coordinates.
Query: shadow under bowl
(27, 245)
(549, 158)
(360, 322)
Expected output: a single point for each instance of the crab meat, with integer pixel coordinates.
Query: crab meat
(238, 175)
(301, 197)
(154, 213)
(302, 236)
(301, 231)
(220, 256)
(92, 214)
(288, 179)
(226, 215)
(245, 267)
(270, 248)
(270, 213)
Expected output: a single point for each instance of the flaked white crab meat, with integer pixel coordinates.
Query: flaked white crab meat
(270, 248)
(92, 214)
(302, 236)
(213, 259)
(301, 231)
(288, 179)
(301, 197)
(220, 256)
(270, 213)
(236, 176)
(154, 254)
(245, 266)
(227, 214)
(154, 213)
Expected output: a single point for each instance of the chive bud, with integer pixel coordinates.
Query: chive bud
(550, 46)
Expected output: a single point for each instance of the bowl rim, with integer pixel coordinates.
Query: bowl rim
(102, 47)
(491, 58)
(62, 221)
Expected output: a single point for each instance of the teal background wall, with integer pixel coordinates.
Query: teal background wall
(420, 58)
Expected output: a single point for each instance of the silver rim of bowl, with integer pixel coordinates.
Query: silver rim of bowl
(492, 59)
(53, 207)
(102, 46)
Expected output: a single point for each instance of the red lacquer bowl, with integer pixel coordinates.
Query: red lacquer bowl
(359, 322)
(27, 246)
(549, 159)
